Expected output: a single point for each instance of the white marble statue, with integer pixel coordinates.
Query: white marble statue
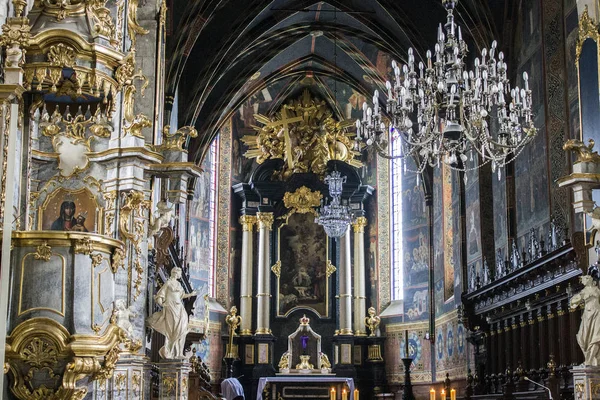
(165, 214)
(123, 316)
(172, 320)
(588, 336)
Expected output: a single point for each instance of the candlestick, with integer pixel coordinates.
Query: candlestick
(443, 394)
(355, 394)
(344, 394)
(452, 394)
(431, 394)
(332, 394)
(406, 344)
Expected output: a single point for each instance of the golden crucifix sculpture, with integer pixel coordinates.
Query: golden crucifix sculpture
(233, 321)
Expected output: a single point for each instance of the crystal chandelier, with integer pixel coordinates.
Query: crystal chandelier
(334, 217)
(440, 112)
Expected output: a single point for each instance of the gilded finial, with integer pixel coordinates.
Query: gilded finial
(372, 321)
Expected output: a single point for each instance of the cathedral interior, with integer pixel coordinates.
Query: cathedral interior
(297, 199)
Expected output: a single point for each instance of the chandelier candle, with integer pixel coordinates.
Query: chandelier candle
(443, 112)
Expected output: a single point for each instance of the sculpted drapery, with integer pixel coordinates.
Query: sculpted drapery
(588, 336)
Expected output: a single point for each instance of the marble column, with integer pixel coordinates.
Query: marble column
(265, 224)
(247, 222)
(345, 283)
(360, 299)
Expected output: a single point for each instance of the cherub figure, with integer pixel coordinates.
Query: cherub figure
(165, 215)
(123, 316)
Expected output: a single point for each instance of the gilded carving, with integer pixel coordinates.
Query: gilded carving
(40, 347)
(19, 6)
(305, 135)
(136, 382)
(61, 55)
(587, 30)
(330, 268)
(83, 246)
(176, 140)
(372, 321)
(118, 260)
(169, 384)
(126, 76)
(15, 37)
(302, 201)
(43, 252)
(265, 220)
(131, 227)
(163, 13)
(359, 225)
(276, 268)
(96, 259)
(584, 152)
(247, 222)
(133, 27)
(103, 22)
(120, 381)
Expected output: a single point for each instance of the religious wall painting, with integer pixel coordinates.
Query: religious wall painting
(500, 212)
(413, 202)
(304, 259)
(416, 256)
(415, 303)
(473, 231)
(70, 210)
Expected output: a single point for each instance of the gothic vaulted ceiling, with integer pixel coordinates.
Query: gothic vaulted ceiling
(223, 52)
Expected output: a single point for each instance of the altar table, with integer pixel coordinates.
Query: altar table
(304, 386)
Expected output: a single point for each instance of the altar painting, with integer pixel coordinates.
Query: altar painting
(303, 260)
(70, 210)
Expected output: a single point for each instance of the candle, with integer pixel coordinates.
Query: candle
(355, 394)
(344, 394)
(452, 394)
(432, 394)
(443, 394)
(332, 394)
(406, 343)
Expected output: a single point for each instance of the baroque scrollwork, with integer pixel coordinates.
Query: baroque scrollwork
(176, 140)
(61, 55)
(126, 76)
(587, 30)
(584, 152)
(305, 135)
(15, 37)
(133, 26)
(131, 227)
(302, 201)
(41, 347)
(43, 252)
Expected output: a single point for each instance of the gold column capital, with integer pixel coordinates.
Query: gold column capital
(247, 222)
(359, 225)
(265, 220)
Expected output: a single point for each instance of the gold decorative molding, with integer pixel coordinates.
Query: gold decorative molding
(65, 239)
(96, 259)
(302, 201)
(133, 27)
(330, 269)
(126, 76)
(61, 55)
(169, 383)
(43, 252)
(584, 152)
(42, 346)
(375, 352)
(15, 37)
(305, 135)
(175, 141)
(588, 29)
(131, 227)
(372, 321)
(248, 222)
(118, 260)
(359, 225)
(276, 268)
(163, 13)
(265, 220)
(83, 246)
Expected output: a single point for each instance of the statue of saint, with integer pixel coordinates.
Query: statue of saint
(172, 320)
(588, 336)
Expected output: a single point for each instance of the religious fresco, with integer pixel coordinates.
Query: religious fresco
(418, 347)
(450, 348)
(199, 257)
(302, 251)
(450, 233)
(69, 210)
(500, 223)
(413, 201)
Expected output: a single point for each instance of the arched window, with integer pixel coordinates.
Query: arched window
(396, 248)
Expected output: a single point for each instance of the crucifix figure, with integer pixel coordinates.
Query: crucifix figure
(285, 123)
